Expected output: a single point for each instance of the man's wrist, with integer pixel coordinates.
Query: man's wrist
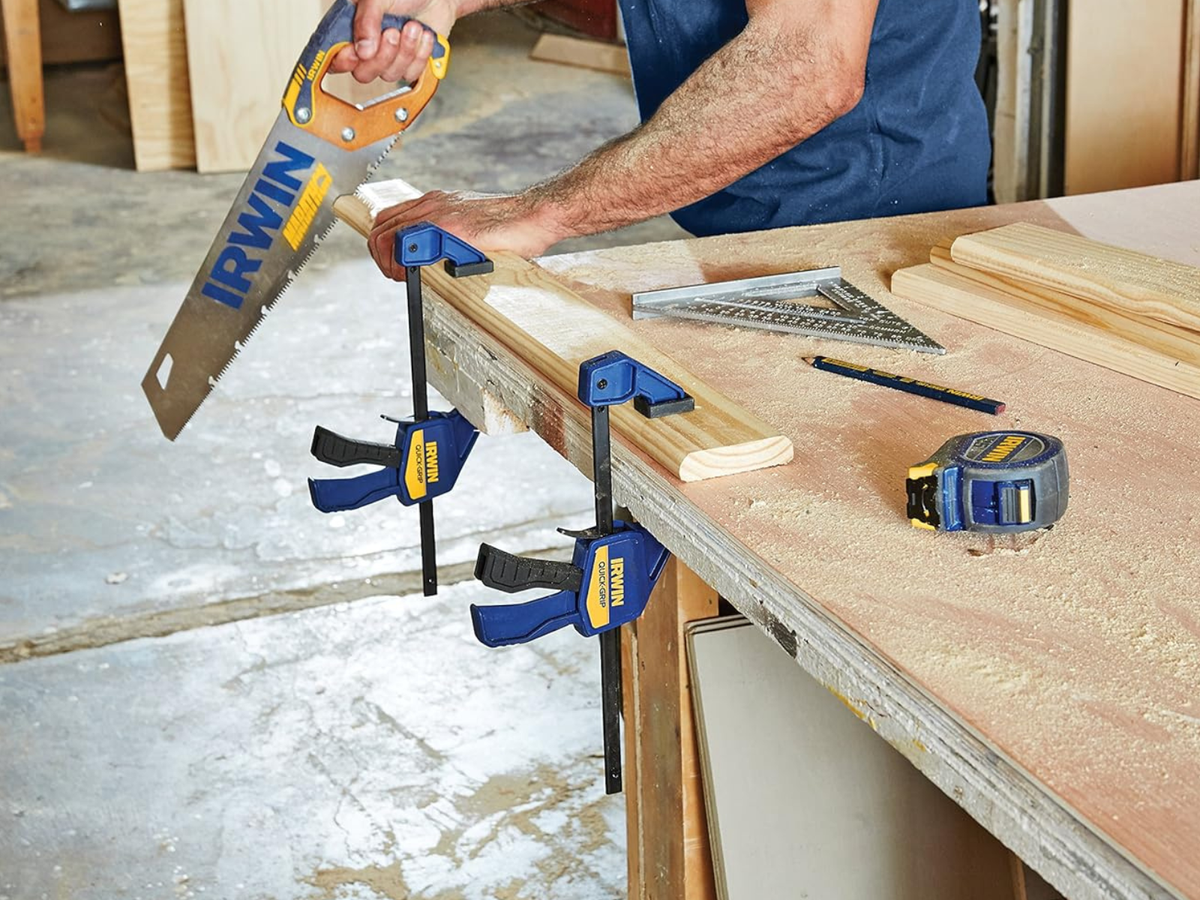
(545, 212)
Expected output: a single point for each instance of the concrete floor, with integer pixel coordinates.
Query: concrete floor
(207, 687)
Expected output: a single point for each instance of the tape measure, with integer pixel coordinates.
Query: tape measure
(998, 481)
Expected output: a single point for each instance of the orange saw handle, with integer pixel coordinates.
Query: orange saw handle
(343, 124)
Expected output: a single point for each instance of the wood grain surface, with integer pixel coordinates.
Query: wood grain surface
(553, 331)
(22, 35)
(1189, 152)
(156, 77)
(669, 852)
(1049, 682)
(1175, 342)
(1124, 90)
(1132, 284)
(573, 51)
(1145, 348)
(240, 56)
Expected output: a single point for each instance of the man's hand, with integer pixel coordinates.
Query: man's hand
(396, 54)
(487, 222)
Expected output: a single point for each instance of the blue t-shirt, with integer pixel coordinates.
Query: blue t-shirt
(916, 142)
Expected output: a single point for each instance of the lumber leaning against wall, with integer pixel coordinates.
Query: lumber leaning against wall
(156, 77)
(552, 330)
(1124, 94)
(240, 56)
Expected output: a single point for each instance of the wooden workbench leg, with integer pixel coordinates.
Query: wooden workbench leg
(669, 857)
(23, 39)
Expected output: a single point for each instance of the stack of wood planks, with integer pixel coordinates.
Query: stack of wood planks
(205, 77)
(1119, 309)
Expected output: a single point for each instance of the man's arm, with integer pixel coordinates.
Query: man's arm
(797, 66)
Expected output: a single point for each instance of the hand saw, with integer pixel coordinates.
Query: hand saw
(320, 148)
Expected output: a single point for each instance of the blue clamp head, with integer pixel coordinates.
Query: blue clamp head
(607, 584)
(614, 378)
(424, 244)
(422, 464)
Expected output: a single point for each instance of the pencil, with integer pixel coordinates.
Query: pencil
(908, 385)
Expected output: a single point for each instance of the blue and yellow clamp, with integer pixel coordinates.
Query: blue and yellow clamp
(615, 564)
(422, 464)
(430, 449)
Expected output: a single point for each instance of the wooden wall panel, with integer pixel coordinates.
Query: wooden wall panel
(240, 56)
(1124, 94)
(156, 75)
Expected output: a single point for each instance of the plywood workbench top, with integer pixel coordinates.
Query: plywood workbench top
(1072, 654)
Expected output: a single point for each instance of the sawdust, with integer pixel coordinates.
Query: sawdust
(1075, 650)
(384, 881)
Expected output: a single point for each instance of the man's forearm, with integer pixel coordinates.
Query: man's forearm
(756, 98)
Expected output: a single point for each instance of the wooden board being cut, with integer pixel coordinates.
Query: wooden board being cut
(240, 56)
(1123, 281)
(552, 331)
(156, 76)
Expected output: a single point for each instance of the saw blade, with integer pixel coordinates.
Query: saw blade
(282, 213)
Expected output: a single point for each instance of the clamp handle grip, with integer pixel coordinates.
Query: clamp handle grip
(509, 573)
(330, 447)
(341, 494)
(519, 623)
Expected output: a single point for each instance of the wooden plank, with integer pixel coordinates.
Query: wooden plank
(1124, 281)
(805, 800)
(24, 43)
(1189, 153)
(1010, 134)
(570, 51)
(1123, 94)
(1175, 343)
(240, 56)
(156, 75)
(668, 842)
(1034, 318)
(553, 330)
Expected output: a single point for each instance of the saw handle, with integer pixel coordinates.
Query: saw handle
(310, 107)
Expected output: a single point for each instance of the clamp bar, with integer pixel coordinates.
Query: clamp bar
(423, 245)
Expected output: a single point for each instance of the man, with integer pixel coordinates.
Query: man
(755, 114)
